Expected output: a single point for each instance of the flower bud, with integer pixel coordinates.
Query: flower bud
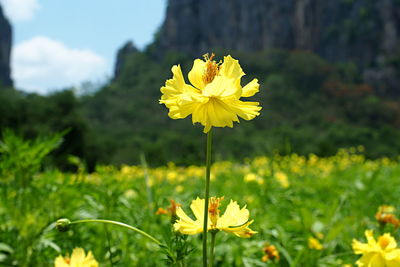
(63, 225)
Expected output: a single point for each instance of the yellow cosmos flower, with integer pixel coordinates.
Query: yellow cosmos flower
(314, 243)
(213, 98)
(77, 259)
(377, 253)
(235, 220)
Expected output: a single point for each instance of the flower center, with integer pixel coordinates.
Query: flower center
(383, 242)
(213, 210)
(211, 69)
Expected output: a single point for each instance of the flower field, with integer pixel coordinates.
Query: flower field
(306, 210)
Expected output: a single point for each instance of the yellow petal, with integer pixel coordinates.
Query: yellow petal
(182, 108)
(393, 263)
(251, 88)
(377, 261)
(387, 241)
(369, 234)
(60, 262)
(196, 74)
(233, 216)
(393, 255)
(200, 115)
(197, 207)
(360, 248)
(244, 109)
(179, 97)
(230, 68)
(214, 113)
(186, 225)
(78, 256)
(365, 260)
(242, 231)
(222, 87)
(173, 87)
(90, 261)
(219, 114)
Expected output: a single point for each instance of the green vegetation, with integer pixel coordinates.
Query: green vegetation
(309, 106)
(291, 198)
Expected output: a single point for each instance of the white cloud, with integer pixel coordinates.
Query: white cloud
(20, 10)
(42, 64)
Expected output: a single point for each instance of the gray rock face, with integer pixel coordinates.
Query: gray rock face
(363, 31)
(122, 54)
(5, 50)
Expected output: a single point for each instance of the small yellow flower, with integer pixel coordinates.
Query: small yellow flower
(213, 99)
(77, 259)
(383, 252)
(250, 177)
(319, 235)
(235, 220)
(282, 178)
(130, 193)
(179, 188)
(314, 243)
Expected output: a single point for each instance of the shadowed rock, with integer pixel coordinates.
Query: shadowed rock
(365, 32)
(5, 50)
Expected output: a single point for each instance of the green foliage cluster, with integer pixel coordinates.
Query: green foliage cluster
(309, 106)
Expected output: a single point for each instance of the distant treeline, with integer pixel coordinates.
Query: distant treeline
(309, 106)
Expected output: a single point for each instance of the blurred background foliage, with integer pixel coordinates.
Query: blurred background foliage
(309, 106)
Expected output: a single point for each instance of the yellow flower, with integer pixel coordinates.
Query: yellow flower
(213, 99)
(377, 253)
(314, 243)
(282, 178)
(77, 259)
(250, 177)
(235, 220)
(179, 188)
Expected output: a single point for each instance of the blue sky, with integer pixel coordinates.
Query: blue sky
(64, 43)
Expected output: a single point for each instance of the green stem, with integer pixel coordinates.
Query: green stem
(109, 245)
(213, 234)
(147, 180)
(207, 194)
(119, 224)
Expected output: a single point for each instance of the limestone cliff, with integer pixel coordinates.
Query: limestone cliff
(336, 29)
(127, 49)
(363, 31)
(5, 50)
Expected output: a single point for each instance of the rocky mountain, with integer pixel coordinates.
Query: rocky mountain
(5, 50)
(363, 31)
(122, 54)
